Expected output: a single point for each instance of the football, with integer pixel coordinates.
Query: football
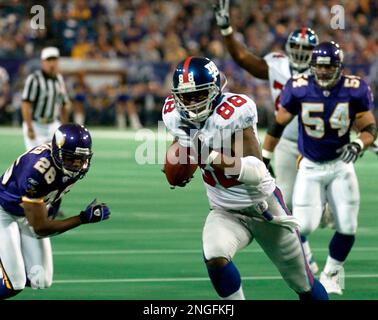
(177, 165)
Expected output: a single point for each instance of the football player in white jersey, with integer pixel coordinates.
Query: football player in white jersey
(278, 69)
(244, 200)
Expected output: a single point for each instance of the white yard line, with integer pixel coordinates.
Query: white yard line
(175, 251)
(198, 230)
(192, 279)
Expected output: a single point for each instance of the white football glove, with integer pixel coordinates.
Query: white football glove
(222, 16)
(286, 221)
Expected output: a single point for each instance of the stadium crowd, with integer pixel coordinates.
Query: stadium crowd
(160, 33)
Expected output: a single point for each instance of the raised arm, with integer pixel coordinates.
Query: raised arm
(255, 65)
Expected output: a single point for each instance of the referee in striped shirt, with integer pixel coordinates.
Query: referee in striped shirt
(45, 102)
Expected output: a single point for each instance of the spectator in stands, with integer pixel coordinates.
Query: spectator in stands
(161, 32)
(4, 89)
(125, 106)
(83, 46)
(80, 99)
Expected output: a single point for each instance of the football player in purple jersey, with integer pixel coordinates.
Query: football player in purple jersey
(29, 190)
(329, 104)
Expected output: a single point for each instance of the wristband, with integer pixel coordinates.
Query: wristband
(227, 31)
(252, 170)
(213, 154)
(360, 143)
(267, 154)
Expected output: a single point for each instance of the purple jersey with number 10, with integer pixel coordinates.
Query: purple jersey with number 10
(325, 116)
(33, 177)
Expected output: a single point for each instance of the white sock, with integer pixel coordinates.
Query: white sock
(332, 265)
(121, 121)
(238, 295)
(134, 121)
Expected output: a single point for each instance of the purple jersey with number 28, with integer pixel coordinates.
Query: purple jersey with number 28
(33, 177)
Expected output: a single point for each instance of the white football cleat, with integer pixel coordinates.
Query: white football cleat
(333, 282)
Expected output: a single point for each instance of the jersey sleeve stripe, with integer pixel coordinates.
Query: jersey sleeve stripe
(26, 199)
(27, 88)
(33, 91)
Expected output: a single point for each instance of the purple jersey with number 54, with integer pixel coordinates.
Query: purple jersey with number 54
(325, 116)
(33, 177)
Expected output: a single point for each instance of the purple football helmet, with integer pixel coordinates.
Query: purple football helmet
(72, 149)
(327, 64)
(196, 84)
(299, 46)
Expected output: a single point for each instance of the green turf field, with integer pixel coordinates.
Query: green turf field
(151, 246)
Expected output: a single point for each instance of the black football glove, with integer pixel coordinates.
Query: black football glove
(269, 167)
(222, 14)
(350, 152)
(95, 212)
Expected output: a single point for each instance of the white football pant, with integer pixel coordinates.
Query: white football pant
(334, 182)
(22, 255)
(43, 133)
(225, 233)
(285, 168)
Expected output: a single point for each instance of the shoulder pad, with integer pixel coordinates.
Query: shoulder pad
(235, 110)
(274, 55)
(356, 85)
(276, 59)
(299, 85)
